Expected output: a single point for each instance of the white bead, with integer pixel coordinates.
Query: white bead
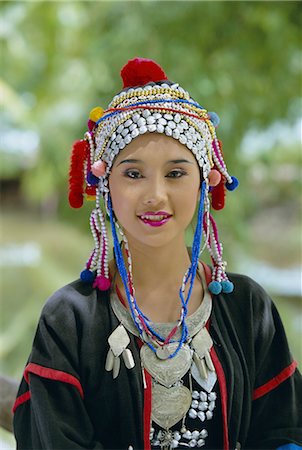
(203, 433)
(187, 434)
(171, 124)
(134, 133)
(162, 121)
(174, 443)
(200, 443)
(212, 396)
(190, 144)
(146, 113)
(195, 434)
(160, 128)
(118, 138)
(141, 121)
(120, 128)
(193, 413)
(203, 396)
(183, 139)
(177, 435)
(151, 128)
(135, 117)
(131, 128)
(125, 132)
(128, 139)
(168, 131)
(168, 116)
(122, 145)
(194, 404)
(176, 133)
(177, 118)
(203, 406)
(195, 394)
(209, 415)
(143, 129)
(212, 405)
(150, 120)
(192, 443)
(201, 416)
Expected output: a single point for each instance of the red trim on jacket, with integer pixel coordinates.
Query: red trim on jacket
(147, 409)
(21, 399)
(275, 381)
(51, 374)
(223, 395)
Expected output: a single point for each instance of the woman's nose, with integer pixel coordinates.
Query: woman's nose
(156, 193)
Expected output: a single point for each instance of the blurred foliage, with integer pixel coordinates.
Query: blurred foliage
(60, 59)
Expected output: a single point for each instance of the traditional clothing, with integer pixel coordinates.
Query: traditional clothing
(67, 400)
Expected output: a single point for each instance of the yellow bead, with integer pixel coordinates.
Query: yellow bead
(90, 198)
(96, 114)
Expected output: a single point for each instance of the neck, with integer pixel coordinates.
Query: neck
(154, 266)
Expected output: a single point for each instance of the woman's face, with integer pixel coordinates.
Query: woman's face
(154, 186)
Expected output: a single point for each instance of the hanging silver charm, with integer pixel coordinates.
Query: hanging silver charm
(202, 344)
(118, 341)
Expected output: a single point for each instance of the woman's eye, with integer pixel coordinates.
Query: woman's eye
(176, 173)
(132, 173)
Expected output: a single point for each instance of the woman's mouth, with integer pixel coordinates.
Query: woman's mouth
(155, 219)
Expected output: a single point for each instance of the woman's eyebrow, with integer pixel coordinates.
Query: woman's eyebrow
(172, 161)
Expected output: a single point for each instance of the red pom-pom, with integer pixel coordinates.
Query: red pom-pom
(140, 71)
(79, 154)
(90, 190)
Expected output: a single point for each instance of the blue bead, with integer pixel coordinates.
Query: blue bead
(92, 179)
(227, 287)
(87, 276)
(215, 287)
(232, 186)
(214, 118)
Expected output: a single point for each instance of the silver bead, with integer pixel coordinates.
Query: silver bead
(171, 124)
(174, 443)
(141, 121)
(209, 415)
(193, 413)
(195, 394)
(128, 139)
(203, 396)
(195, 434)
(146, 113)
(201, 416)
(177, 118)
(194, 404)
(193, 443)
(151, 128)
(143, 129)
(212, 405)
(203, 406)
(200, 443)
(134, 132)
(212, 396)
(131, 128)
(135, 117)
(177, 435)
(176, 133)
(187, 434)
(168, 131)
(204, 433)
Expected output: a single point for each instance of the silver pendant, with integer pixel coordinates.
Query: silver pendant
(118, 340)
(169, 405)
(202, 342)
(167, 371)
(116, 367)
(206, 384)
(163, 352)
(109, 360)
(128, 358)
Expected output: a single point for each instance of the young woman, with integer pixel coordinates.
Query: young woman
(155, 349)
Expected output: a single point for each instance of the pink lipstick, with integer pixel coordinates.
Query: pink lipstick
(155, 219)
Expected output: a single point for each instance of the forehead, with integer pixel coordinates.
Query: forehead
(155, 147)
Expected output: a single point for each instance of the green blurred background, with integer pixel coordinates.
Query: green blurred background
(61, 59)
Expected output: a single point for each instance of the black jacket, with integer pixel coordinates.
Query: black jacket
(67, 400)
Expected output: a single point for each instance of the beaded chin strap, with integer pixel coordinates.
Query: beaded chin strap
(149, 103)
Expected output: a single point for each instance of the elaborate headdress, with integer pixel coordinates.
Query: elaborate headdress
(149, 103)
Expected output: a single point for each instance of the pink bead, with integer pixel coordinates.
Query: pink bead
(99, 168)
(214, 177)
(90, 125)
(102, 283)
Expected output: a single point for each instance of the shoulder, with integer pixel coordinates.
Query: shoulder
(77, 301)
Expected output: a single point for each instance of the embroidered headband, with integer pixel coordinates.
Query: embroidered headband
(149, 103)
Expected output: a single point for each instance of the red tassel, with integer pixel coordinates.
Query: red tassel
(79, 154)
(218, 195)
(140, 71)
